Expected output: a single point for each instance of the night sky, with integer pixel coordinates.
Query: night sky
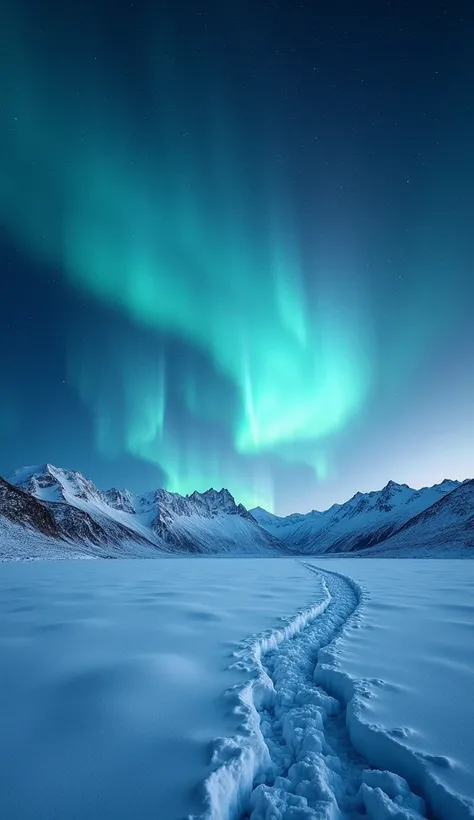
(236, 244)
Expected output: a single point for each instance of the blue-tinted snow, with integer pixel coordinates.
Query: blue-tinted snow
(114, 674)
(412, 658)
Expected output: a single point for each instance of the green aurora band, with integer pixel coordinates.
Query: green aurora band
(190, 241)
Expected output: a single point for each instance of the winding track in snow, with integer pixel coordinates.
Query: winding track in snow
(316, 771)
(294, 759)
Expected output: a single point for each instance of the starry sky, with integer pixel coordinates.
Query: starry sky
(236, 244)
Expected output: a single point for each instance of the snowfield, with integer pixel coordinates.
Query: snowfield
(231, 688)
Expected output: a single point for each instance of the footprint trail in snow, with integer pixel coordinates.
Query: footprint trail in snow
(294, 759)
(316, 771)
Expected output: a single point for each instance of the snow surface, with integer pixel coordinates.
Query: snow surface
(20, 543)
(175, 688)
(409, 667)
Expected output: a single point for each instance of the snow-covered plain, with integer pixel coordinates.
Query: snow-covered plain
(115, 684)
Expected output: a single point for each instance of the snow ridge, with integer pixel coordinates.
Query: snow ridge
(304, 752)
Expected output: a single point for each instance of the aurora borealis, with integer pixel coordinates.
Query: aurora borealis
(236, 245)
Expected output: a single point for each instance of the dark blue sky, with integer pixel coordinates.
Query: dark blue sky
(236, 245)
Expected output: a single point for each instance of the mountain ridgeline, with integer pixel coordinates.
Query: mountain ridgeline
(49, 512)
(394, 520)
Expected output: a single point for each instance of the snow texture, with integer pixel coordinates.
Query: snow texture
(242, 759)
(113, 678)
(306, 749)
(357, 706)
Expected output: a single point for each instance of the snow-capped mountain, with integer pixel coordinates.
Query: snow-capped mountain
(285, 527)
(49, 483)
(116, 522)
(206, 522)
(28, 529)
(46, 511)
(82, 513)
(363, 521)
(446, 525)
(277, 522)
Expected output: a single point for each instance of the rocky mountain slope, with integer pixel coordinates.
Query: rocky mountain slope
(365, 520)
(20, 508)
(46, 511)
(116, 522)
(446, 527)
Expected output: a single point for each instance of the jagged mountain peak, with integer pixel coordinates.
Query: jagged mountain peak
(120, 500)
(44, 469)
(362, 521)
(50, 483)
(24, 473)
(209, 503)
(211, 495)
(395, 487)
(446, 525)
(117, 522)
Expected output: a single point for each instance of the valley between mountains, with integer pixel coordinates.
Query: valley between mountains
(50, 512)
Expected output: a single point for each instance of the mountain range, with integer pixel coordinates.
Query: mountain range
(50, 512)
(364, 521)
